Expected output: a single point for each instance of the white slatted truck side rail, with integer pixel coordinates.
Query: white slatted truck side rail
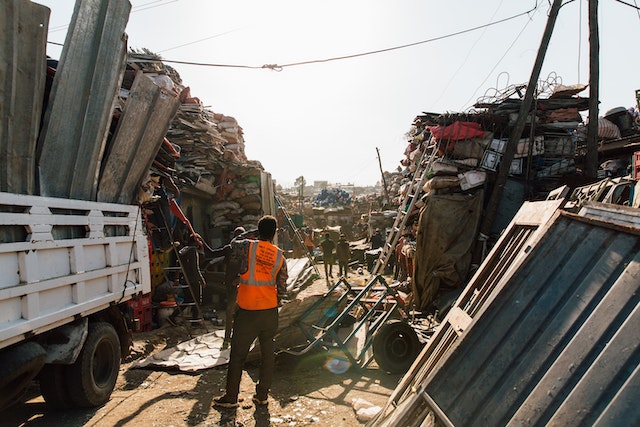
(67, 268)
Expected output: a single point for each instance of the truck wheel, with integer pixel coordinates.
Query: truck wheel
(395, 346)
(18, 366)
(53, 386)
(91, 379)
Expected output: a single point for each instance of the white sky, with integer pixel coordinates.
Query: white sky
(324, 121)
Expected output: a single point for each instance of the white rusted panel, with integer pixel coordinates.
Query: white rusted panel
(47, 282)
(622, 215)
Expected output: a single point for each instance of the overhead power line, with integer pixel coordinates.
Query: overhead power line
(277, 67)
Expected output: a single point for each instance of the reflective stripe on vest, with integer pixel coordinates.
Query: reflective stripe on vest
(257, 289)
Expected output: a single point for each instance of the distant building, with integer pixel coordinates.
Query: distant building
(320, 185)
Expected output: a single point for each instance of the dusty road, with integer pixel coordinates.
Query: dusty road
(304, 393)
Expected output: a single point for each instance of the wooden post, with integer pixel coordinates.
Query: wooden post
(384, 182)
(591, 158)
(516, 134)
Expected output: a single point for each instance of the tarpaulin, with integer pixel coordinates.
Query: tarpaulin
(446, 232)
(457, 131)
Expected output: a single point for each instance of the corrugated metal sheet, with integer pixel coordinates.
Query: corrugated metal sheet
(558, 342)
(23, 38)
(82, 99)
(511, 247)
(135, 143)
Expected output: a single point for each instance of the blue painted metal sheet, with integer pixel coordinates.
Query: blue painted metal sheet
(557, 343)
(83, 94)
(23, 38)
(404, 407)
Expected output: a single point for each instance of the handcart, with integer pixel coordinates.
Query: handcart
(365, 324)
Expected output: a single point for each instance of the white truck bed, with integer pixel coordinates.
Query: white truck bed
(47, 280)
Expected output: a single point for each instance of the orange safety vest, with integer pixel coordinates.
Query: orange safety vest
(257, 289)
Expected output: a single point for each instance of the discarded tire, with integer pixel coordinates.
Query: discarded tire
(395, 346)
(92, 378)
(18, 366)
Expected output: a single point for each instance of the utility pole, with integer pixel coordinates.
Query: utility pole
(516, 133)
(591, 158)
(384, 182)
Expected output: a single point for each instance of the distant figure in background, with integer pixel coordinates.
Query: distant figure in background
(327, 246)
(284, 238)
(401, 270)
(377, 240)
(308, 242)
(343, 252)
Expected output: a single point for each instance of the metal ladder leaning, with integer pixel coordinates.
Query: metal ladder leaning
(297, 234)
(420, 176)
(183, 280)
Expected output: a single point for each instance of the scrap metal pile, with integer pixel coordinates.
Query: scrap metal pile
(204, 152)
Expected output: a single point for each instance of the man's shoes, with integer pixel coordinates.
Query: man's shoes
(259, 401)
(225, 402)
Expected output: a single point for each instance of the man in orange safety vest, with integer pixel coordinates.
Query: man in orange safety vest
(262, 285)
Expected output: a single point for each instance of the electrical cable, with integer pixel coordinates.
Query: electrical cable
(277, 67)
(628, 4)
(471, 49)
(201, 40)
(499, 61)
(135, 9)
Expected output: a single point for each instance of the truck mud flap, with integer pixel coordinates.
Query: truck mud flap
(18, 366)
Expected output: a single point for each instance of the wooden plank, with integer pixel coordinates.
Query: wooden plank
(136, 140)
(23, 38)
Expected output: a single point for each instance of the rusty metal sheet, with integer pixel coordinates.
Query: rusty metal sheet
(557, 343)
(23, 38)
(141, 128)
(82, 98)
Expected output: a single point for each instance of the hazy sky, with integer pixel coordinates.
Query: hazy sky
(324, 120)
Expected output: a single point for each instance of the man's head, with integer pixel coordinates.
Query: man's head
(238, 231)
(267, 227)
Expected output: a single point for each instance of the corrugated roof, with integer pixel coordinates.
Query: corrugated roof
(555, 342)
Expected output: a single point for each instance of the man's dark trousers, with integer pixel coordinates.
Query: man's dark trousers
(247, 326)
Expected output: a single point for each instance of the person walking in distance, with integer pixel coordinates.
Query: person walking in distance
(327, 246)
(343, 252)
(261, 287)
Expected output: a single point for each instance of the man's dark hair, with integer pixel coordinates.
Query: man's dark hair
(267, 227)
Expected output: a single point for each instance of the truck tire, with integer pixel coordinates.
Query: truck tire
(18, 366)
(53, 386)
(395, 346)
(92, 378)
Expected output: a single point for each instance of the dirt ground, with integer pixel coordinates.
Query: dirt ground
(304, 392)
